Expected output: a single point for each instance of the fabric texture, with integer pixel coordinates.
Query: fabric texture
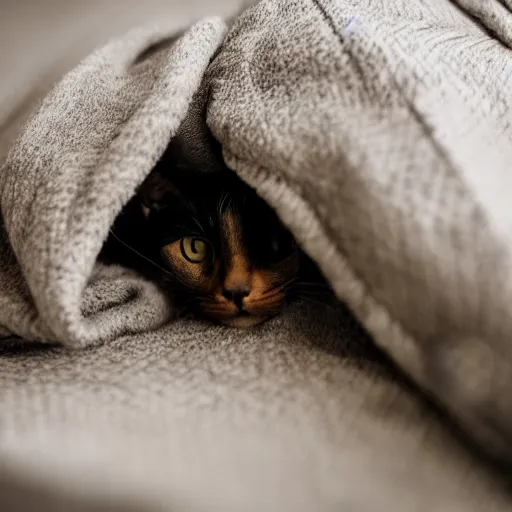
(378, 131)
(70, 172)
(382, 137)
(301, 414)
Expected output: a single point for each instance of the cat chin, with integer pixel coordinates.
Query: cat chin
(244, 322)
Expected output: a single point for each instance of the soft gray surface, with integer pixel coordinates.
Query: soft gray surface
(296, 416)
(302, 413)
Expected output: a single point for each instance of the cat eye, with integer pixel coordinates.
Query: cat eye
(193, 249)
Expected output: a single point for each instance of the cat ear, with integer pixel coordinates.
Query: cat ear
(157, 191)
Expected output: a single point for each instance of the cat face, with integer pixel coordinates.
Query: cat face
(227, 254)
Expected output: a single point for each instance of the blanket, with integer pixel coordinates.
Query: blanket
(380, 136)
(75, 166)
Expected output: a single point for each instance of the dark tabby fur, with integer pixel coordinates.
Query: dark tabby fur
(218, 248)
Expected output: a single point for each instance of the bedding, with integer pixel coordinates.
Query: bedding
(379, 132)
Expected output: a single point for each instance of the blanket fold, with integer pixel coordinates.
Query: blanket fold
(382, 138)
(76, 163)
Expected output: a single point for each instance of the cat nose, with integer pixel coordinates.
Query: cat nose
(236, 295)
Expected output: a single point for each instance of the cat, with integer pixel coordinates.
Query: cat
(211, 242)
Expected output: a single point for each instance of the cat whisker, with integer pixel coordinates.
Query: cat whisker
(230, 202)
(314, 293)
(220, 207)
(304, 298)
(311, 284)
(274, 293)
(199, 225)
(324, 298)
(208, 300)
(140, 254)
(218, 313)
(311, 287)
(212, 303)
(186, 229)
(277, 287)
(265, 312)
(265, 301)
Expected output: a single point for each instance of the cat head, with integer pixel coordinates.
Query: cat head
(226, 253)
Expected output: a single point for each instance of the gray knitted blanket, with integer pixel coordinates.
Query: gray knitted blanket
(380, 132)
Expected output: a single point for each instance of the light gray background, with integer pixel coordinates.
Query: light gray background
(39, 36)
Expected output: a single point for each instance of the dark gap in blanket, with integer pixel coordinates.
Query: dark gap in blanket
(155, 48)
(505, 5)
(17, 492)
(14, 346)
(130, 295)
(498, 466)
(485, 28)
